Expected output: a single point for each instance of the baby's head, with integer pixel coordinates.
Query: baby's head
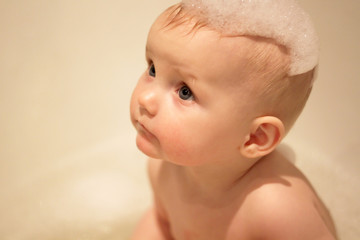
(285, 52)
(212, 79)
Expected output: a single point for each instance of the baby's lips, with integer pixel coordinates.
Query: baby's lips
(142, 129)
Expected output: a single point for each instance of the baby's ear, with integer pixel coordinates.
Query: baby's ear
(265, 134)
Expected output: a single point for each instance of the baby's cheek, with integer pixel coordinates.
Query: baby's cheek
(176, 144)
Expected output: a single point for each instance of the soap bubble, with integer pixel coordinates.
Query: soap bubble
(281, 20)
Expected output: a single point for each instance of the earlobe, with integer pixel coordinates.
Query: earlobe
(265, 134)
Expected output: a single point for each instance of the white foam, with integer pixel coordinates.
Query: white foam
(282, 20)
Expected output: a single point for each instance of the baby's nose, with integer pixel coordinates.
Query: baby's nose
(148, 102)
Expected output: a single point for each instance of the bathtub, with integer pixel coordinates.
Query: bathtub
(69, 165)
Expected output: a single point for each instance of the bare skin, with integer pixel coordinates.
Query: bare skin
(214, 168)
(273, 200)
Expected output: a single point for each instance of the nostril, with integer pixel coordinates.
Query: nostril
(145, 111)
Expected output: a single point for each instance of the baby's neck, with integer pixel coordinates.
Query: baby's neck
(216, 179)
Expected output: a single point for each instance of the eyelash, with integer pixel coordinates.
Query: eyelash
(184, 89)
(150, 72)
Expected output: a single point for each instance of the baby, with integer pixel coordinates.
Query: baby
(225, 82)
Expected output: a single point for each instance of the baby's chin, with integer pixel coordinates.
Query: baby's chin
(146, 147)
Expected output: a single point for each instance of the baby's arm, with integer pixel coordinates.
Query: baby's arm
(150, 227)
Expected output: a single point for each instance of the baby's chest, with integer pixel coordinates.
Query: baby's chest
(194, 220)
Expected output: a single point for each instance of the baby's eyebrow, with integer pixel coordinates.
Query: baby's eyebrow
(147, 49)
(187, 76)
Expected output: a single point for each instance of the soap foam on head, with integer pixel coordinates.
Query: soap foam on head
(281, 20)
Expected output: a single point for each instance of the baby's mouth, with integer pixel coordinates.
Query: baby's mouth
(144, 131)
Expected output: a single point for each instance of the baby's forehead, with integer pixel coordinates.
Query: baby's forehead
(259, 52)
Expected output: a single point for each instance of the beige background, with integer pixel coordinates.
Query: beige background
(69, 168)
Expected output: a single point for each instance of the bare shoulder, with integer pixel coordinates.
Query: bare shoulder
(281, 204)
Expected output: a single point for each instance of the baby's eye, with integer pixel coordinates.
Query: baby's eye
(152, 71)
(185, 93)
